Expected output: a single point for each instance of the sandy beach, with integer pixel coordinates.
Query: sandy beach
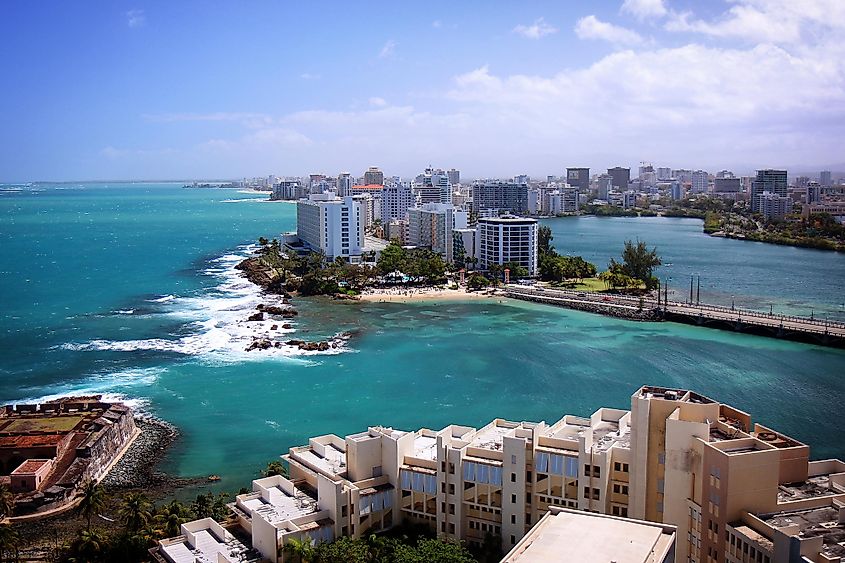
(408, 295)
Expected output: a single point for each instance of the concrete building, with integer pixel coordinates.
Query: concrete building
(534, 202)
(700, 181)
(431, 226)
(332, 225)
(463, 245)
(825, 178)
(500, 240)
(433, 186)
(454, 176)
(578, 178)
(344, 184)
(664, 173)
(834, 208)
(398, 230)
(604, 185)
(769, 180)
(396, 199)
(507, 197)
(594, 538)
(374, 175)
(733, 491)
(726, 185)
(773, 207)
(619, 177)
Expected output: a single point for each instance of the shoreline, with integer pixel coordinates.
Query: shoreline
(412, 295)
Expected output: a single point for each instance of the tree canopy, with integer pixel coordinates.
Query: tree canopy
(638, 262)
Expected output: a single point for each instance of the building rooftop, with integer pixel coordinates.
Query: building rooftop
(490, 437)
(277, 506)
(425, 447)
(817, 486)
(205, 546)
(333, 462)
(30, 466)
(652, 392)
(824, 522)
(592, 538)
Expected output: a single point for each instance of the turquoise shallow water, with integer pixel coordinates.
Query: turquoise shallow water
(128, 290)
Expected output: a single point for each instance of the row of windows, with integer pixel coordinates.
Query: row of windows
(745, 552)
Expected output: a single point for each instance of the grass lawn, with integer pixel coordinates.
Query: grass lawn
(49, 424)
(587, 284)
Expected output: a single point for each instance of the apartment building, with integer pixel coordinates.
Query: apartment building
(733, 491)
(432, 224)
(396, 199)
(332, 225)
(773, 206)
(768, 180)
(510, 197)
(500, 240)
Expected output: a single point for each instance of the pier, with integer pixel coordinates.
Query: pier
(650, 308)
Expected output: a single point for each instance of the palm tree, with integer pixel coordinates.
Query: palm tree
(88, 546)
(135, 511)
(301, 549)
(8, 540)
(93, 500)
(170, 518)
(7, 502)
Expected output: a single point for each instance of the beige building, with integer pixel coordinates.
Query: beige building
(677, 459)
(564, 534)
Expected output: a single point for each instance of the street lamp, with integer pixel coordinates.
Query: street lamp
(732, 303)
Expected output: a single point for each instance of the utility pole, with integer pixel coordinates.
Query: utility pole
(690, 287)
(698, 291)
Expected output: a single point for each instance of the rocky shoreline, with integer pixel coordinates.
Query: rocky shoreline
(137, 467)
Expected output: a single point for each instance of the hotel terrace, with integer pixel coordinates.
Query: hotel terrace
(734, 492)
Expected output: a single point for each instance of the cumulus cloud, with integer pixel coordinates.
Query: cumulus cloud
(590, 27)
(536, 30)
(135, 18)
(771, 21)
(387, 50)
(643, 9)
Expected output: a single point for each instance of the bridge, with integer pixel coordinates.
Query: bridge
(651, 308)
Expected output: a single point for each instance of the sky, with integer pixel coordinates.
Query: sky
(134, 89)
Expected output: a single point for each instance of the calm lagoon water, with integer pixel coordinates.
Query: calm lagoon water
(129, 290)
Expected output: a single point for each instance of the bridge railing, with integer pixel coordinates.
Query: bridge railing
(815, 325)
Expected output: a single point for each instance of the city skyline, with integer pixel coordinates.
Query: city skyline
(149, 90)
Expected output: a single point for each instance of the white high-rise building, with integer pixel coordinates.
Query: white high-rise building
(700, 179)
(500, 240)
(332, 225)
(344, 184)
(431, 226)
(396, 199)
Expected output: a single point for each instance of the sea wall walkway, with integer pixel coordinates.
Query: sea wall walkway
(803, 329)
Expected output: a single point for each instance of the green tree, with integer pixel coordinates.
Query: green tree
(135, 511)
(477, 281)
(544, 240)
(517, 270)
(300, 548)
(275, 467)
(343, 550)
(9, 541)
(92, 500)
(392, 258)
(639, 262)
(169, 518)
(7, 502)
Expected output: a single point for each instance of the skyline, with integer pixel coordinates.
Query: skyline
(148, 90)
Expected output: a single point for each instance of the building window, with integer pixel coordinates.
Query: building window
(528, 476)
(661, 458)
(344, 510)
(451, 468)
(513, 477)
(513, 518)
(513, 540)
(513, 459)
(513, 499)
(451, 508)
(451, 528)
(451, 488)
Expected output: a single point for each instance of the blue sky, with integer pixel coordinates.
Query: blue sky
(141, 90)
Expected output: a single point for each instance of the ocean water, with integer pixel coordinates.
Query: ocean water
(129, 290)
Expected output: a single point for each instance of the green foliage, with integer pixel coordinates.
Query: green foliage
(638, 263)
(7, 502)
(384, 548)
(9, 540)
(275, 467)
(516, 270)
(712, 221)
(343, 550)
(477, 281)
(544, 240)
(610, 211)
(560, 268)
(420, 265)
(209, 506)
(300, 549)
(135, 511)
(92, 499)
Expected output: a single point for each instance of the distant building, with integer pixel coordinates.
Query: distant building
(463, 245)
(374, 176)
(396, 199)
(433, 186)
(825, 178)
(700, 181)
(664, 173)
(534, 202)
(814, 192)
(397, 229)
(500, 240)
(454, 176)
(510, 197)
(769, 180)
(833, 208)
(773, 206)
(604, 185)
(522, 179)
(344, 184)
(431, 226)
(578, 178)
(587, 537)
(332, 225)
(724, 185)
(620, 177)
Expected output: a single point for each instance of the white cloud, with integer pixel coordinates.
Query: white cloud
(310, 76)
(136, 18)
(590, 27)
(377, 102)
(388, 49)
(772, 21)
(643, 9)
(250, 120)
(536, 30)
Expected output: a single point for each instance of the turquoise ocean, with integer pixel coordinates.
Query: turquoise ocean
(129, 290)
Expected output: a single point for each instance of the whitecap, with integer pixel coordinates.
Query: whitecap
(125, 312)
(162, 299)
